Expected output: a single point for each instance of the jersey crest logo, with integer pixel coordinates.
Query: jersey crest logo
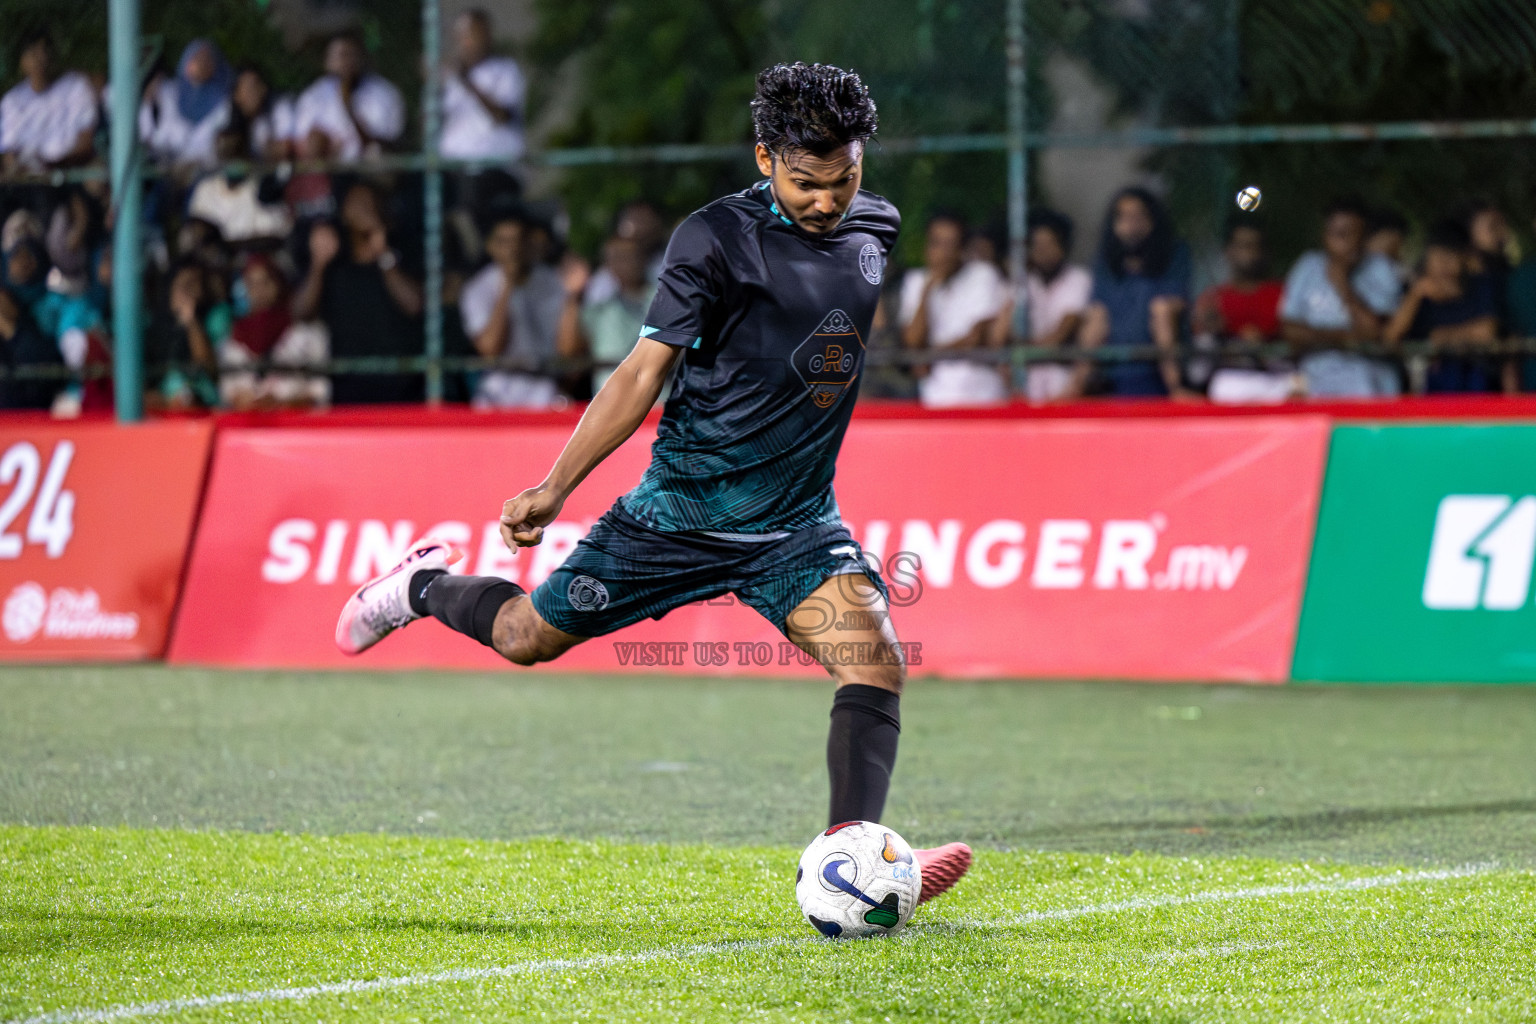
(870, 263)
(587, 594)
(830, 359)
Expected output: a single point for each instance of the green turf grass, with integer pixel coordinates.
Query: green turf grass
(97, 918)
(1375, 775)
(700, 793)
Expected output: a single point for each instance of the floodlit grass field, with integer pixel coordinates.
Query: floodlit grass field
(179, 845)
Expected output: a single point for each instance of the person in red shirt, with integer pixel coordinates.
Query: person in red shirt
(1247, 306)
(1244, 310)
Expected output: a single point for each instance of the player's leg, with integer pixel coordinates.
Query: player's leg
(498, 614)
(488, 608)
(846, 624)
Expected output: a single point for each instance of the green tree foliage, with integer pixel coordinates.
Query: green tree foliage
(681, 71)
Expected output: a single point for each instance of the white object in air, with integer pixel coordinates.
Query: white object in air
(1250, 198)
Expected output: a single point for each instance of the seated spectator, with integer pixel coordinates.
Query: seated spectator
(350, 112)
(1339, 295)
(609, 329)
(188, 328)
(1245, 309)
(75, 231)
(230, 199)
(1520, 300)
(512, 311)
(26, 271)
(1489, 255)
(1448, 306)
(369, 305)
(1140, 291)
(268, 119)
(181, 117)
(22, 344)
(987, 245)
(1059, 294)
(48, 119)
(267, 334)
(482, 97)
(638, 220)
(1386, 234)
(950, 304)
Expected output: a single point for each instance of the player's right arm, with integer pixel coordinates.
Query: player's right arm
(616, 412)
(688, 290)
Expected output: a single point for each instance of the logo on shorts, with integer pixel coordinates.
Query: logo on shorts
(587, 594)
(870, 263)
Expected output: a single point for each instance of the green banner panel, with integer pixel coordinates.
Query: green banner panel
(1421, 567)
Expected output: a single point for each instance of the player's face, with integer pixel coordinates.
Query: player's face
(814, 191)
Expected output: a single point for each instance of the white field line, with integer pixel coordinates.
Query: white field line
(300, 993)
(1256, 893)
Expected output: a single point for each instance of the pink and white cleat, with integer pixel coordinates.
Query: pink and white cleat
(942, 867)
(382, 605)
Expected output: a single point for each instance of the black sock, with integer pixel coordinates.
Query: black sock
(861, 751)
(466, 603)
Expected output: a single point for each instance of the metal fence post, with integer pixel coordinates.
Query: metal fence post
(127, 187)
(432, 195)
(1018, 167)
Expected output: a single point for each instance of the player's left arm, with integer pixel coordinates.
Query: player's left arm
(615, 413)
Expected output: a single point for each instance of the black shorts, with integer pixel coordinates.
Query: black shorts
(624, 571)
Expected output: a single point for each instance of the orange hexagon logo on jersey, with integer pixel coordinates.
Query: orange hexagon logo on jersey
(830, 359)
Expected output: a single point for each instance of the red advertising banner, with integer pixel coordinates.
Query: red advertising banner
(95, 524)
(1172, 549)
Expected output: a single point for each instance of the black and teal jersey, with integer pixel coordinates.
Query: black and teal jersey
(773, 322)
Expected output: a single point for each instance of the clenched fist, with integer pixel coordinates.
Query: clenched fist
(524, 517)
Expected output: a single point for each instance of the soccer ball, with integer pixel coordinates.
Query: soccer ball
(858, 879)
(1250, 198)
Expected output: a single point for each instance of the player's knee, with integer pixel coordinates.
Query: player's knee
(525, 639)
(888, 676)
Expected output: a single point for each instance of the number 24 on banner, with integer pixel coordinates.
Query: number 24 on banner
(53, 514)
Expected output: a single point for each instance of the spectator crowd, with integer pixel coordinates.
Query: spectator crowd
(271, 283)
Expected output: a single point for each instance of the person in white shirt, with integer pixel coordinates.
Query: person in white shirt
(230, 199)
(1059, 294)
(512, 311)
(951, 304)
(641, 222)
(482, 97)
(181, 117)
(47, 119)
(350, 112)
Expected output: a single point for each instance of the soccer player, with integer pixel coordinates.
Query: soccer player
(760, 315)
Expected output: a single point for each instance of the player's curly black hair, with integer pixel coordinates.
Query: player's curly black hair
(812, 107)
